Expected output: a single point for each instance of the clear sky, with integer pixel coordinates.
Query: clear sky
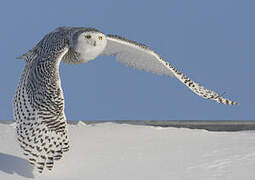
(212, 42)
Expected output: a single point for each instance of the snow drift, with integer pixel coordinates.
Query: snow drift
(110, 151)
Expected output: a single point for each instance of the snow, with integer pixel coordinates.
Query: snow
(109, 151)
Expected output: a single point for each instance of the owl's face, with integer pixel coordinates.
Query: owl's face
(89, 45)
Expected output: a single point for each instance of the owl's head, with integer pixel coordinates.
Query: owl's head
(89, 45)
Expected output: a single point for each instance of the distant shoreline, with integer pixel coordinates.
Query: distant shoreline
(216, 125)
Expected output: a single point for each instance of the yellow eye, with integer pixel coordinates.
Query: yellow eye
(88, 36)
(100, 37)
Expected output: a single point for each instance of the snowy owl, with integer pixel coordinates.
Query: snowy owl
(39, 102)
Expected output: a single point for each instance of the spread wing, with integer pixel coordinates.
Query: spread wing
(39, 114)
(142, 57)
(39, 103)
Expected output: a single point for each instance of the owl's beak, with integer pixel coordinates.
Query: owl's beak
(95, 43)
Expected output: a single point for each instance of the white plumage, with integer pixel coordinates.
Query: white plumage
(135, 55)
(142, 57)
(39, 101)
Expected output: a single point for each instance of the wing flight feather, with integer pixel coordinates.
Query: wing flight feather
(140, 56)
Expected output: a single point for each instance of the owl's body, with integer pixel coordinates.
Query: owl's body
(39, 101)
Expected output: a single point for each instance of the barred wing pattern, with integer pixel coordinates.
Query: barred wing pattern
(39, 114)
(142, 57)
(39, 104)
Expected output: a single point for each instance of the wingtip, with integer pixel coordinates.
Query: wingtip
(20, 57)
(226, 101)
(235, 103)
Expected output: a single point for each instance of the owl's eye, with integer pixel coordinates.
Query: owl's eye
(100, 37)
(88, 36)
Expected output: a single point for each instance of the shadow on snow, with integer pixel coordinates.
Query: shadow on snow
(12, 164)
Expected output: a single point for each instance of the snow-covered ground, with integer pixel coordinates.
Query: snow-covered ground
(111, 151)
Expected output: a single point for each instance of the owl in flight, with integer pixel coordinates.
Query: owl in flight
(39, 102)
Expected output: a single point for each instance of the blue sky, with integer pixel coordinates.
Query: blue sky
(210, 41)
